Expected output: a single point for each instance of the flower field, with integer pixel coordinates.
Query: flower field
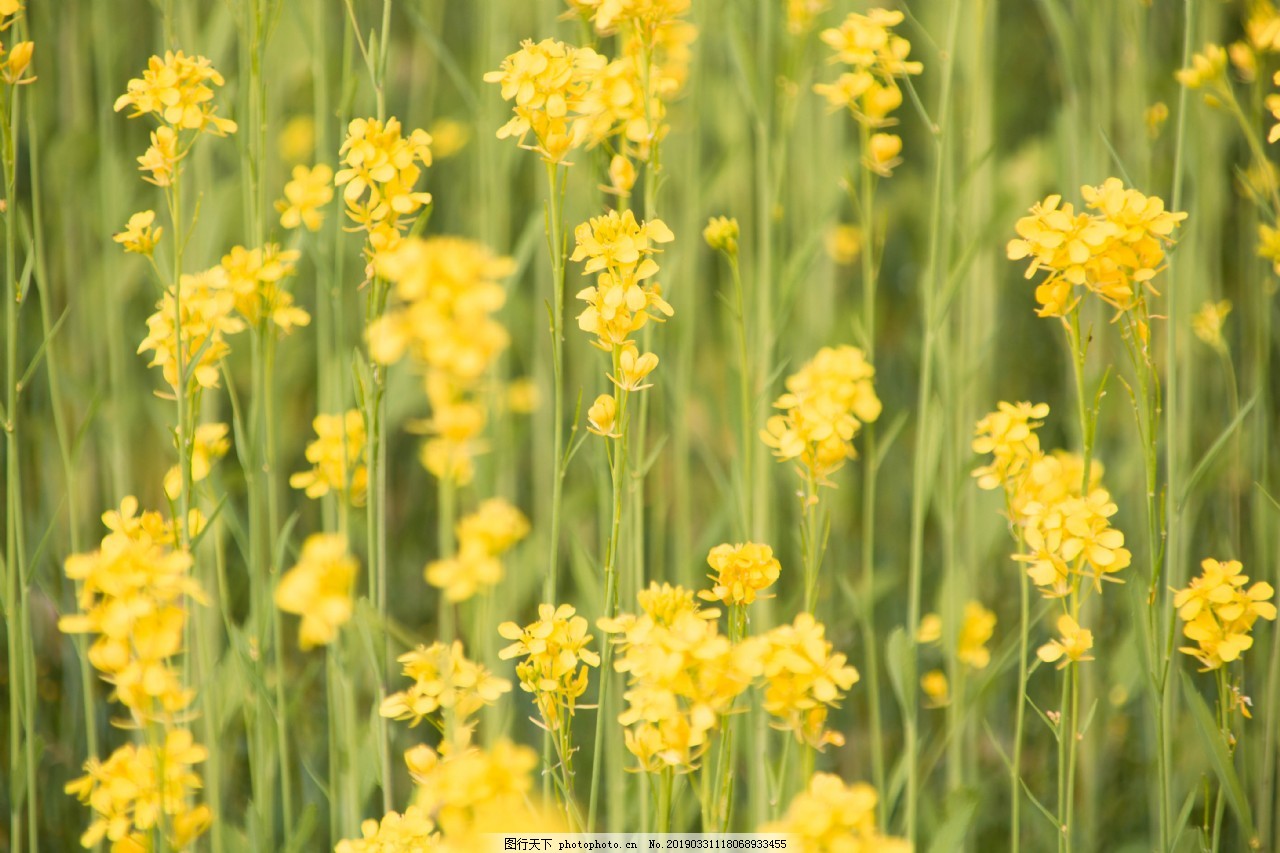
(426, 419)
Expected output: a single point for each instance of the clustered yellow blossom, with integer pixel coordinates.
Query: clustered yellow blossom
(1208, 70)
(208, 308)
(337, 457)
(447, 689)
(556, 660)
(1114, 252)
(134, 593)
(683, 677)
(549, 82)
(381, 169)
(801, 14)
(741, 572)
(804, 679)
(1008, 434)
(1220, 612)
(826, 403)
(829, 816)
(256, 277)
(483, 537)
(140, 791)
(1269, 245)
(1071, 539)
(445, 293)
(413, 830)
(976, 628)
(210, 444)
(721, 234)
(1072, 646)
(309, 190)
(625, 296)
(874, 57)
(139, 236)
(319, 589)
(14, 66)
(178, 91)
(1207, 323)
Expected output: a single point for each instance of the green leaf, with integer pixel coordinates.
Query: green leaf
(1218, 755)
(1214, 450)
(962, 804)
(897, 650)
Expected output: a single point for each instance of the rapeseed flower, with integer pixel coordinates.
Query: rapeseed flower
(829, 816)
(1071, 647)
(411, 831)
(382, 167)
(178, 90)
(139, 236)
(804, 678)
(625, 296)
(209, 445)
(976, 629)
(304, 195)
(338, 459)
(741, 572)
(255, 276)
(444, 682)
(319, 589)
(1008, 434)
(207, 318)
(556, 659)
(1207, 323)
(483, 537)
(1220, 612)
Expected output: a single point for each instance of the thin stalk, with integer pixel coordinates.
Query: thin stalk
(665, 781)
(446, 491)
(556, 237)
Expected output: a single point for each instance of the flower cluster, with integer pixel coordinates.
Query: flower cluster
(1008, 434)
(337, 457)
(304, 195)
(319, 589)
(1220, 612)
(1114, 252)
(382, 167)
(625, 296)
(874, 57)
(1207, 323)
(140, 236)
(446, 291)
(13, 68)
(826, 403)
(803, 679)
(178, 91)
(133, 595)
(255, 277)
(556, 660)
(140, 791)
(207, 317)
(209, 444)
(1072, 646)
(683, 677)
(829, 815)
(413, 830)
(483, 537)
(976, 628)
(549, 82)
(446, 684)
(741, 572)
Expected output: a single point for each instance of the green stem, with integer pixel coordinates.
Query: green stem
(556, 238)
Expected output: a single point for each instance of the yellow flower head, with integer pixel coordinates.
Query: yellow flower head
(978, 626)
(256, 278)
(337, 457)
(483, 537)
(829, 815)
(207, 317)
(382, 167)
(843, 243)
(138, 236)
(1220, 612)
(801, 14)
(211, 444)
(826, 403)
(160, 160)
(1008, 434)
(721, 235)
(602, 416)
(140, 791)
(1071, 539)
(634, 368)
(177, 90)
(803, 678)
(413, 830)
(934, 685)
(556, 659)
(1072, 646)
(17, 63)
(1208, 69)
(625, 296)
(548, 82)
(319, 589)
(304, 195)
(443, 681)
(1207, 323)
(741, 572)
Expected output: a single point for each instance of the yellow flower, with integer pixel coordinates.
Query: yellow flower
(1269, 245)
(1008, 434)
(138, 236)
(319, 589)
(1073, 645)
(622, 175)
(882, 154)
(802, 13)
(1154, 117)
(633, 369)
(207, 317)
(17, 63)
(803, 678)
(1220, 612)
(413, 830)
(741, 572)
(934, 685)
(843, 243)
(161, 159)
(140, 792)
(978, 626)
(483, 537)
(831, 816)
(382, 168)
(338, 459)
(1208, 321)
(308, 191)
(448, 137)
(556, 659)
(625, 296)
(721, 235)
(255, 277)
(930, 630)
(549, 83)
(602, 415)
(210, 445)
(443, 681)
(176, 89)
(826, 403)
(1208, 69)
(1073, 538)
